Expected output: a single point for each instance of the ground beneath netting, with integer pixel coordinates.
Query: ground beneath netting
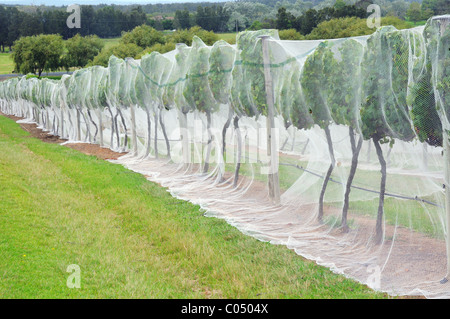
(404, 256)
(86, 148)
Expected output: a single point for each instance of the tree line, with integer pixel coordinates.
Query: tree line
(49, 52)
(105, 22)
(85, 48)
(306, 22)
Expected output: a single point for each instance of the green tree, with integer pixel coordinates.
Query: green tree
(143, 97)
(421, 98)
(290, 34)
(312, 18)
(167, 24)
(155, 72)
(351, 27)
(136, 17)
(284, 20)
(414, 12)
(173, 96)
(438, 7)
(384, 111)
(15, 21)
(81, 50)
(182, 19)
(437, 41)
(315, 78)
(120, 50)
(98, 96)
(339, 4)
(239, 96)
(127, 97)
(299, 112)
(186, 36)
(289, 100)
(117, 95)
(89, 16)
(247, 81)
(161, 48)
(221, 62)
(307, 22)
(74, 98)
(238, 22)
(3, 28)
(143, 36)
(36, 54)
(344, 101)
(197, 92)
(30, 25)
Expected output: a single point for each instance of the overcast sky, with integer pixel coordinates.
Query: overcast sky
(69, 2)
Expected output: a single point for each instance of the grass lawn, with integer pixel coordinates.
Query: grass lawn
(130, 238)
(6, 63)
(110, 42)
(417, 23)
(229, 37)
(412, 214)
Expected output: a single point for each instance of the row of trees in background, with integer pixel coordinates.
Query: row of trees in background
(104, 22)
(34, 53)
(306, 22)
(40, 53)
(211, 18)
(48, 52)
(229, 18)
(108, 21)
(145, 39)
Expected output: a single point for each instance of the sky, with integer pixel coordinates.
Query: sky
(69, 2)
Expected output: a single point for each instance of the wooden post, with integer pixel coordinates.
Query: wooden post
(272, 151)
(78, 125)
(62, 121)
(100, 125)
(184, 132)
(446, 145)
(133, 129)
(132, 114)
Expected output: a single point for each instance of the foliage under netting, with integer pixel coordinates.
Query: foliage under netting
(337, 149)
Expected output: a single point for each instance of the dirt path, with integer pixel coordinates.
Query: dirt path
(86, 148)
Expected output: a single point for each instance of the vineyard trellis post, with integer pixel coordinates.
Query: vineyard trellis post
(446, 146)
(272, 152)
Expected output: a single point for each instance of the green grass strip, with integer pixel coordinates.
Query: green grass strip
(130, 238)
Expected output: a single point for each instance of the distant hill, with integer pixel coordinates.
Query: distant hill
(59, 3)
(168, 5)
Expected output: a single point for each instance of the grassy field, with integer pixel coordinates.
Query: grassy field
(6, 63)
(110, 42)
(229, 37)
(130, 238)
(412, 214)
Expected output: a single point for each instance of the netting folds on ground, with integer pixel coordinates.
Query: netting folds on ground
(337, 149)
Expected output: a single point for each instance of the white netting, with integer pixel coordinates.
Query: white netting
(337, 149)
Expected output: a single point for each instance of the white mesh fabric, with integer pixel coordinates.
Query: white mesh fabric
(353, 134)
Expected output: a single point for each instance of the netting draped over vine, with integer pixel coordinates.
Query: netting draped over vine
(337, 149)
